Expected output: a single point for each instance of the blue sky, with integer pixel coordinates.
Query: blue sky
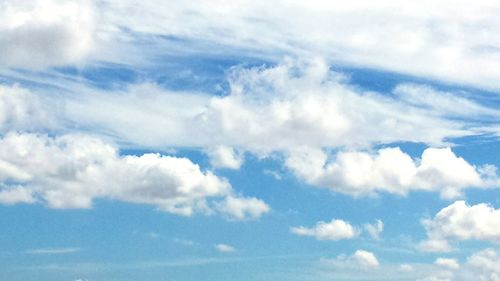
(246, 140)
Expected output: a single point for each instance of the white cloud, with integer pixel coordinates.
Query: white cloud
(400, 36)
(360, 259)
(20, 109)
(451, 104)
(447, 263)
(406, 268)
(271, 109)
(15, 195)
(334, 230)
(374, 230)
(483, 265)
(365, 259)
(444, 276)
(435, 245)
(390, 170)
(225, 157)
(71, 170)
(37, 34)
(53, 251)
(224, 248)
(243, 208)
(460, 221)
(338, 229)
(300, 109)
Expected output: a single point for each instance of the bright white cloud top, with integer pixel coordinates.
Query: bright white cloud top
(391, 170)
(460, 221)
(83, 168)
(333, 230)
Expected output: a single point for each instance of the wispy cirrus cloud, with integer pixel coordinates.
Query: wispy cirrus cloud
(53, 251)
(372, 34)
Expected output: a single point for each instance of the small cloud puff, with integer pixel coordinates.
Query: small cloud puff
(224, 248)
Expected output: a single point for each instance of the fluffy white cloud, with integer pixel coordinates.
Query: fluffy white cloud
(225, 157)
(483, 265)
(243, 208)
(37, 34)
(20, 109)
(374, 230)
(360, 259)
(15, 195)
(224, 248)
(365, 258)
(401, 36)
(460, 221)
(297, 108)
(338, 229)
(334, 230)
(390, 170)
(447, 263)
(72, 170)
(271, 109)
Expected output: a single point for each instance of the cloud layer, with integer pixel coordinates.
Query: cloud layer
(272, 109)
(449, 41)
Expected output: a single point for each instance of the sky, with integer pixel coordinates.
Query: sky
(249, 140)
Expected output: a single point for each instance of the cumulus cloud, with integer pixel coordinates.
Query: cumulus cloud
(460, 221)
(299, 109)
(360, 259)
(334, 230)
(37, 34)
(365, 259)
(390, 170)
(302, 109)
(224, 248)
(447, 263)
(71, 170)
(243, 208)
(268, 109)
(10, 195)
(20, 109)
(225, 157)
(374, 230)
(483, 265)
